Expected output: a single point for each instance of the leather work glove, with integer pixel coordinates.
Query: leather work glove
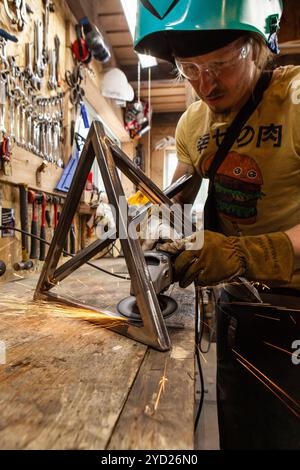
(265, 258)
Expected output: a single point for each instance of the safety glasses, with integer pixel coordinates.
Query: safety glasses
(192, 70)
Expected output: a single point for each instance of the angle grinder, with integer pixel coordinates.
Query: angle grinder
(160, 268)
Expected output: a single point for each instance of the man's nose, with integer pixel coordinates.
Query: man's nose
(206, 82)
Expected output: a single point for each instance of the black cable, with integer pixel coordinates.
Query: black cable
(3, 227)
(110, 249)
(210, 330)
(197, 336)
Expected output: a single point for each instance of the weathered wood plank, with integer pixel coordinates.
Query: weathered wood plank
(66, 382)
(162, 419)
(117, 38)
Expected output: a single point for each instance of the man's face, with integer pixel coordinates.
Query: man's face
(223, 79)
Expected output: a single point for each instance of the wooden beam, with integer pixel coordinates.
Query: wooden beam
(115, 22)
(169, 100)
(163, 71)
(165, 92)
(125, 52)
(169, 108)
(108, 6)
(120, 38)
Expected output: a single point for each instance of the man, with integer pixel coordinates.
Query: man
(222, 48)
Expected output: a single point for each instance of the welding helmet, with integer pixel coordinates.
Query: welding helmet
(186, 28)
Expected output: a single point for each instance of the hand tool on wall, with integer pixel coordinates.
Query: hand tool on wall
(43, 228)
(95, 41)
(23, 265)
(7, 36)
(17, 12)
(34, 229)
(67, 176)
(11, 94)
(80, 50)
(74, 80)
(49, 200)
(48, 218)
(52, 82)
(66, 243)
(49, 7)
(33, 78)
(3, 85)
(57, 67)
(39, 65)
(24, 219)
(5, 156)
(8, 222)
(55, 201)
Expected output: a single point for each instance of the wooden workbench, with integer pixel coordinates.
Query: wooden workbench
(71, 384)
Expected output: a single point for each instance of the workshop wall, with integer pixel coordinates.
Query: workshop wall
(163, 125)
(25, 166)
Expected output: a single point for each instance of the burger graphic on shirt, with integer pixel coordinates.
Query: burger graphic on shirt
(238, 185)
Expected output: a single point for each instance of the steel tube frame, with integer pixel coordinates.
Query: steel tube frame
(153, 331)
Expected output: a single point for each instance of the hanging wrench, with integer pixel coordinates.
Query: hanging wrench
(17, 124)
(49, 7)
(21, 13)
(18, 15)
(3, 84)
(38, 60)
(3, 57)
(28, 61)
(11, 114)
(57, 66)
(60, 162)
(52, 83)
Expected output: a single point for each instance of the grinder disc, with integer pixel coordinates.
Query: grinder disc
(128, 307)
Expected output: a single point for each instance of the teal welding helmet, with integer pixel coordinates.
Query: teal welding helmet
(185, 28)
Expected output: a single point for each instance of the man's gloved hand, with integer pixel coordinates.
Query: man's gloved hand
(265, 258)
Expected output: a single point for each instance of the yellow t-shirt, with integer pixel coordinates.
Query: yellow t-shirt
(258, 184)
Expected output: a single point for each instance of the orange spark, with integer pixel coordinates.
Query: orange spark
(264, 379)
(277, 347)
(200, 352)
(162, 383)
(274, 393)
(268, 318)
